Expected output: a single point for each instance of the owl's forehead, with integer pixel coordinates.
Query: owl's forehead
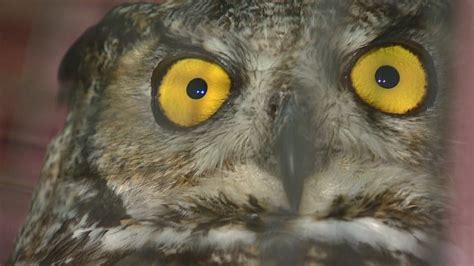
(256, 15)
(277, 28)
(222, 28)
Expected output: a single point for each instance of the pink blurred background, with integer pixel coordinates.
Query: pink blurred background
(35, 35)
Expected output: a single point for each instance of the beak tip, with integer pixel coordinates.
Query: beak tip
(293, 190)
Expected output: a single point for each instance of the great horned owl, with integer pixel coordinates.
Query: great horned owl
(248, 132)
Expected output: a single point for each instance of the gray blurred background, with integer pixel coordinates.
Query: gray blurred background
(35, 34)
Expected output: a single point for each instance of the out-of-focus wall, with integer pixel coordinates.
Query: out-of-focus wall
(462, 140)
(34, 35)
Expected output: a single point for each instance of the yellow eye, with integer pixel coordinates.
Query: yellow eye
(391, 79)
(190, 90)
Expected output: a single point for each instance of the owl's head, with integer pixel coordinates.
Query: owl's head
(272, 125)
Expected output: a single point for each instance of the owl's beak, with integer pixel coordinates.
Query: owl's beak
(294, 148)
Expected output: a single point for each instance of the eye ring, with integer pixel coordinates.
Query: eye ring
(423, 58)
(160, 72)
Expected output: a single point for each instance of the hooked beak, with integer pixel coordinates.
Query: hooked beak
(294, 148)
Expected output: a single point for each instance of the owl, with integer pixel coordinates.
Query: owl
(249, 133)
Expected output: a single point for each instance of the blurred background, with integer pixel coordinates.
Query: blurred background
(35, 34)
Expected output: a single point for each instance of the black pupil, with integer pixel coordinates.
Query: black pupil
(387, 77)
(196, 88)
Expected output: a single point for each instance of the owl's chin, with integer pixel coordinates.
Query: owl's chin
(246, 209)
(301, 238)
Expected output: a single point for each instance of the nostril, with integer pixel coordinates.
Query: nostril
(273, 105)
(272, 110)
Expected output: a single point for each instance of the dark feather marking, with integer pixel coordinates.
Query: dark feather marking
(213, 212)
(344, 254)
(106, 207)
(389, 208)
(237, 256)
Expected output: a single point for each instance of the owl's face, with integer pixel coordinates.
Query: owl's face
(272, 128)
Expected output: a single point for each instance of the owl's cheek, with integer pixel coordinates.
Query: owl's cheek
(244, 184)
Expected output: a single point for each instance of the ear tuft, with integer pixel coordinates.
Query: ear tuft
(92, 57)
